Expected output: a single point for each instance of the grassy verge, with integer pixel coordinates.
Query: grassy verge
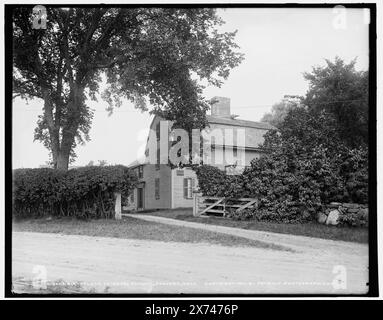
(130, 228)
(315, 230)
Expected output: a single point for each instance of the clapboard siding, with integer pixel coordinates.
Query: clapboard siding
(164, 174)
(178, 200)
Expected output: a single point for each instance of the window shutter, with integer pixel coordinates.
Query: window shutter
(190, 188)
(185, 188)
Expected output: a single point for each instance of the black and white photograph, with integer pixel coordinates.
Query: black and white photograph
(201, 149)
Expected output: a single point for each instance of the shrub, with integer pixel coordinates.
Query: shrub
(356, 219)
(86, 192)
(354, 168)
(214, 182)
(210, 180)
(292, 180)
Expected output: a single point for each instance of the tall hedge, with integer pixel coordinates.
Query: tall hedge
(86, 192)
(291, 189)
(304, 167)
(214, 182)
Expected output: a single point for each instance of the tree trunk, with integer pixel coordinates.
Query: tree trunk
(62, 161)
(61, 150)
(54, 131)
(66, 145)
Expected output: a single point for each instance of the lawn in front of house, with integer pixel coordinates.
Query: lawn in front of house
(313, 229)
(130, 228)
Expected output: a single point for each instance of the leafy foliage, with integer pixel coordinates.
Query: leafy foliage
(280, 110)
(305, 166)
(147, 55)
(342, 91)
(354, 167)
(354, 219)
(86, 192)
(214, 182)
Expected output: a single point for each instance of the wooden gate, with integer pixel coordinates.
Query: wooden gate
(220, 206)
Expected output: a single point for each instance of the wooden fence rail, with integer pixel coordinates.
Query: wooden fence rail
(205, 206)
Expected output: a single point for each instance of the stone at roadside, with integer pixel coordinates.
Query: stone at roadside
(321, 217)
(333, 218)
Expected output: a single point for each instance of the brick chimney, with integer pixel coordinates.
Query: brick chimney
(220, 107)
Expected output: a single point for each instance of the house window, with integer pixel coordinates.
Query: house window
(140, 172)
(235, 151)
(188, 188)
(157, 188)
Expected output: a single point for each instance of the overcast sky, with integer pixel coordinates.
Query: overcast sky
(279, 45)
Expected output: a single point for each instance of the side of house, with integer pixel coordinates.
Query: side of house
(162, 188)
(253, 137)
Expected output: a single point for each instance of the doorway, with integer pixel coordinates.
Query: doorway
(140, 198)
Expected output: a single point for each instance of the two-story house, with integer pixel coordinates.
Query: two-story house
(162, 186)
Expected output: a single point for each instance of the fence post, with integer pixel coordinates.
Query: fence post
(117, 208)
(196, 196)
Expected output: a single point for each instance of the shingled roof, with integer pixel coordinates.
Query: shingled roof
(239, 123)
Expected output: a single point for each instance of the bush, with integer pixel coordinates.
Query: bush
(214, 182)
(354, 168)
(211, 180)
(86, 192)
(293, 181)
(357, 218)
(353, 219)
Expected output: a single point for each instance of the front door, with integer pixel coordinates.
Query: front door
(140, 198)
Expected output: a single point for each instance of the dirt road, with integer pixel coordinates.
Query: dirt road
(140, 266)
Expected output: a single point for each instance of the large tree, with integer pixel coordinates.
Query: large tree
(280, 110)
(150, 56)
(339, 89)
